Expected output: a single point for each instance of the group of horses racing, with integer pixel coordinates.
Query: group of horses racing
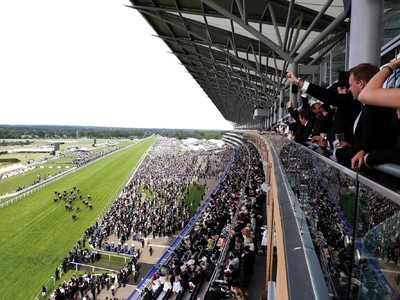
(70, 197)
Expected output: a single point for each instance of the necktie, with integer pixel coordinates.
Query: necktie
(358, 118)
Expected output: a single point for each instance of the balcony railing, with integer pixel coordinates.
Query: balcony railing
(353, 221)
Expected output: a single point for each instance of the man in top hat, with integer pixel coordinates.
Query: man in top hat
(341, 123)
(342, 84)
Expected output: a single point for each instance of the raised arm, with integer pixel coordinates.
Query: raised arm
(291, 77)
(375, 94)
(329, 97)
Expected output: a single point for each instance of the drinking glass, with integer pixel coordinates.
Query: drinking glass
(339, 137)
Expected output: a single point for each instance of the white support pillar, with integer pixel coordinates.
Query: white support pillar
(293, 97)
(271, 118)
(365, 32)
(273, 114)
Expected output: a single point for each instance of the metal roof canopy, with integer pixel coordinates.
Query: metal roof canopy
(239, 51)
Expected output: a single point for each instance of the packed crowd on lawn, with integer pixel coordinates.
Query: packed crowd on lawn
(83, 158)
(89, 285)
(220, 250)
(166, 174)
(229, 218)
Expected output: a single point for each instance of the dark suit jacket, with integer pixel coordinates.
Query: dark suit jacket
(341, 123)
(389, 155)
(346, 113)
(374, 131)
(294, 113)
(304, 132)
(293, 126)
(322, 124)
(212, 295)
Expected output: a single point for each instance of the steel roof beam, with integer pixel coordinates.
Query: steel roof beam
(311, 27)
(328, 30)
(275, 23)
(288, 22)
(222, 50)
(214, 61)
(249, 29)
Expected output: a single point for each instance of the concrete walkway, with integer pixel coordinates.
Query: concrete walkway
(159, 246)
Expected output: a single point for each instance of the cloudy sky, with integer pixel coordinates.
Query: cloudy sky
(97, 63)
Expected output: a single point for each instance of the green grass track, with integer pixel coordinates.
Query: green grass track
(36, 233)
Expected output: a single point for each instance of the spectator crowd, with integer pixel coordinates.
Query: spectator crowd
(135, 215)
(219, 251)
(166, 175)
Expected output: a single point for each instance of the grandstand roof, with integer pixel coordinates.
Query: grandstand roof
(239, 51)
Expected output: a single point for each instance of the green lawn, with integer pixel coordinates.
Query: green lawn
(36, 233)
(8, 185)
(196, 193)
(347, 203)
(51, 166)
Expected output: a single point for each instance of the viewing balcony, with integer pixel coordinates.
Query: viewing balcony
(337, 231)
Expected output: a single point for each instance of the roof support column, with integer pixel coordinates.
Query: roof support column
(269, 118)
(280, 105)
(292, 96)
(365, 32)
(273, 115)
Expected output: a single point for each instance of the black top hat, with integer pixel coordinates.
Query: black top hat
(343, 79)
